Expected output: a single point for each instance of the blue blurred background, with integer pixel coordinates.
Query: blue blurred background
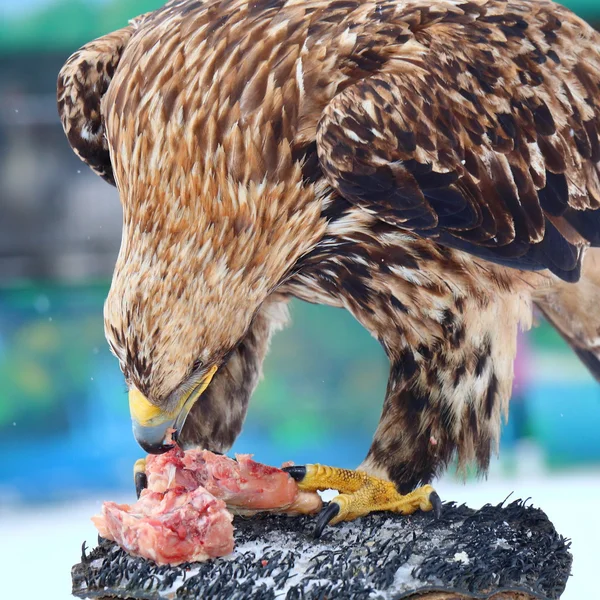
(65, 435)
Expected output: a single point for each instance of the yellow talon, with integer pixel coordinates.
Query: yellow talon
(139, 476)
(361, 494)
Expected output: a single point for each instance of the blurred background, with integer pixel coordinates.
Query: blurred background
(65, 435)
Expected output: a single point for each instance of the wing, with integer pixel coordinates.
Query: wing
(482, 134)
(82, 82)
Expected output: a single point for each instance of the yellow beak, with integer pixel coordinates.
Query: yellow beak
(155, 429)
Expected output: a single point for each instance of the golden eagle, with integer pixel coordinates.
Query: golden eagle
(433, 166)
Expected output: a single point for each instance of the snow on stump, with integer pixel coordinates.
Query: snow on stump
(499, 552)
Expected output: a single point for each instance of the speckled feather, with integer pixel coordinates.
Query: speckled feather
(432, 166)
(504, 158)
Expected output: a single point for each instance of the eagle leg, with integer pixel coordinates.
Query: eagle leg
(361, 494)
(139, 476)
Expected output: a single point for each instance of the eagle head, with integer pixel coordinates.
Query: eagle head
(176, 308)
(193, 270)
(216, 212)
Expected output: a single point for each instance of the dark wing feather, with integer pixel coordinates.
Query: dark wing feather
(82, 82)
(482, 134)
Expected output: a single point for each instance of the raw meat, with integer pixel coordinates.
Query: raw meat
(182, 515)
(171, 527)
(246, 486)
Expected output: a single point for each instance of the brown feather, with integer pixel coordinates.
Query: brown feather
(424, 164)
(476, 81)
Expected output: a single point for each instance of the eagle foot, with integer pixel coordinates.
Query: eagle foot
(139, 476)
(361, 494)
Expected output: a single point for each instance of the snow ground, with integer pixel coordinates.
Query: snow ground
(39, 545)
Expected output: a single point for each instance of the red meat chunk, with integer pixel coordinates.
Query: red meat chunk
(170, 528)
(246, 486)
(182, 515)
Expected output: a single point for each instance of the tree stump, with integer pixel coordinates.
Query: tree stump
(498, 552)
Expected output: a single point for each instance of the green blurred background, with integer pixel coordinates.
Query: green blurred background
(61, 393)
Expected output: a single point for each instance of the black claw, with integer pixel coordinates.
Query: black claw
(141, 483)
(298, 472)
(436, 502)
(329, 512)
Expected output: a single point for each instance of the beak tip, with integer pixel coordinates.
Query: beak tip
(156, 439)
(151, 448)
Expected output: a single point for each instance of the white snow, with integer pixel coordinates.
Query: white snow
(404, 573)
(38, 545)
(462, 557)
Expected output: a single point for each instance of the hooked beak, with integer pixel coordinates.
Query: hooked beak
(156, 430)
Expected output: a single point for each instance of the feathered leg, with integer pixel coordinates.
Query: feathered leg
(447, 397)
(449, 327)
